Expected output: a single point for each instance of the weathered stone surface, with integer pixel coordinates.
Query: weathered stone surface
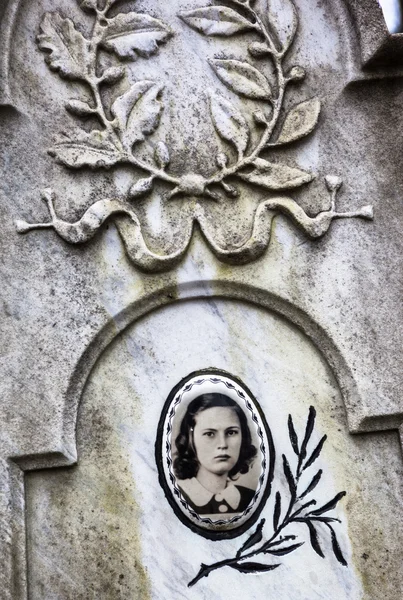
(109, 530)
(223, 250)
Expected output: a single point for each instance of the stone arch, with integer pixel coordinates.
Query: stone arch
(176, 294)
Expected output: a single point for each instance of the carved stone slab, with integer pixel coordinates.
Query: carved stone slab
(201, 300)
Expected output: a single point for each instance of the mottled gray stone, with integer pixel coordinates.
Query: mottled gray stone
(280, 265)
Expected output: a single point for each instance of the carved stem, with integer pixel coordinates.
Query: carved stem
(94, 83)
(156, 173)
(282, 81)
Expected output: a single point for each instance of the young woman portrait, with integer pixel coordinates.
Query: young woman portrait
(213, 450)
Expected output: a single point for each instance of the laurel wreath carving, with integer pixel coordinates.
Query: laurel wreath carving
(296, 510)
(135, 115)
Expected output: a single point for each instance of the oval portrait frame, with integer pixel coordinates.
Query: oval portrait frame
(206, 381)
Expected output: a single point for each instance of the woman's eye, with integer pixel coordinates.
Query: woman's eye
(209, 434)
(232, 432)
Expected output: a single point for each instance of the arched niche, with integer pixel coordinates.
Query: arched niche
(104, 524)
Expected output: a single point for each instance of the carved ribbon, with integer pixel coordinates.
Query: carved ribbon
(129, 228)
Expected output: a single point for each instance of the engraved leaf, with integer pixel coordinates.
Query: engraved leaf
(229, 122)
(313, 534)
(67, 49)
(132, 34)
(300, 121)
(315, 453)
(312, 485)
(330, 505)
(289, 477)
(82, 149)
(336, 548)
(279, 541)
(308, 431)
(286, 550)
(277, 511)
(303, 507)
(254, 539)
(216, 20)
(138, 111)
(274, 176)
(242, 78)
(293, 435)
(253, 567)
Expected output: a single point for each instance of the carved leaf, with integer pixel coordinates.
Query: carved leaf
(283, 15)
(242, 78)
(88, 5)
(274, 176)
(83, 149)
(161, 155)
(80, 108)
(138, 111)
(132, 34)
(300, 121)
(113, 74)
(221, 160)
(253, 567)
(141, 187)
(67, 48)
(229, 122)
(216, 20)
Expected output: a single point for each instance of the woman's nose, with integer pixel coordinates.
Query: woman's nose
(222, 441)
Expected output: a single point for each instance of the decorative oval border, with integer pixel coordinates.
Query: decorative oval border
(214, 530)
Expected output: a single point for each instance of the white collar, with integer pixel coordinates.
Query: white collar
(200, 496)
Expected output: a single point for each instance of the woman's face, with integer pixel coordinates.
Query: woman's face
(217, 439)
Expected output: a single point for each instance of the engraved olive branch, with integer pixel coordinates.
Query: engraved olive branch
(296, 513)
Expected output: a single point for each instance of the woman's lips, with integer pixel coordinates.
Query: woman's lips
(222, 457)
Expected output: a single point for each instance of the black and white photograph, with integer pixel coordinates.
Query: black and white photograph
(218, 456)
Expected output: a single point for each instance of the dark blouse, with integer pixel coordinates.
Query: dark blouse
(213, 506)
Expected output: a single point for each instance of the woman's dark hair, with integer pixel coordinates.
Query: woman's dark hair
(186, 464)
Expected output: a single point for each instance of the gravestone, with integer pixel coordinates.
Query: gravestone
(201, 293)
